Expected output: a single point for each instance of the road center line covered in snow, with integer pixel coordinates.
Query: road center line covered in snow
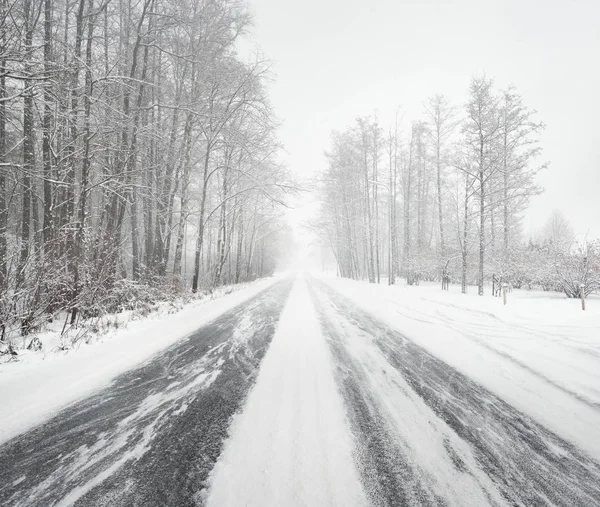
(291, 445)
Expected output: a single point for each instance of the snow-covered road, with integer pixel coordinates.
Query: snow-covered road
(152, 437)
(433, 435)
(297, 397)
(291, 445)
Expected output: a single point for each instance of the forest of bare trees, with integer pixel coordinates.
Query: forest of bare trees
(137, 151)
(445, 199)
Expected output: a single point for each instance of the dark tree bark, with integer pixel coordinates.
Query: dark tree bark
(48, 226)
(3, 160)
(28, 145)
(85, 169)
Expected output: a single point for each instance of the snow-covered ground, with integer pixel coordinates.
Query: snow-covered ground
(539, 353)
(342, 393)
(39, 384)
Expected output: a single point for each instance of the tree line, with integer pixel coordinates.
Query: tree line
(136, 146)
(443, 199)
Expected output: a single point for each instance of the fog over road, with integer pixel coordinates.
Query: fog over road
(295, 397)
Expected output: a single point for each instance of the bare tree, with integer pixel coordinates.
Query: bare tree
(481, 130)
(558, 231)
(442, 119)
(519, 148)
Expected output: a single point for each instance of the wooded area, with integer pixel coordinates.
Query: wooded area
(445, 200)
(130, 131)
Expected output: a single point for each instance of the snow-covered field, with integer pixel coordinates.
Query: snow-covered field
(540, 352)
(40, 383)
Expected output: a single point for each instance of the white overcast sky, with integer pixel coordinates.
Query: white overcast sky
(334, 60)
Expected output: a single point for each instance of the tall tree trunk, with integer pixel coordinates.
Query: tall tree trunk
(166, 199)
(407, 218)
(221, 241)
(48, 227)
(28, 148)
(62, 141)
(492, 214)
(251, 245)
(152, 167)
(505, 224)
(481, 218)
(85, 167)
(419, 217)
(183, 212)
(438, 166)
(132, 165)
(464, 249)
(370, 252)
(391, 280)
(3, 162)
(238, 256)
(200, 238)
(376, 206)
(73, 129)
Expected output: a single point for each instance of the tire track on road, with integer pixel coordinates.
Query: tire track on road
(528, 464)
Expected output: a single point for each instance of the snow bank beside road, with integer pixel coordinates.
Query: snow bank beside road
(291, 446)
(541, 355)
(34, 389)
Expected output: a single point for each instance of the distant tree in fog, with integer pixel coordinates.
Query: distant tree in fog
(558, 231)
(442, 120)
(519, 149)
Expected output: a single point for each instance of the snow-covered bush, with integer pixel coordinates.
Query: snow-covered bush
(581, 266)
(128, 294)
(32, 299)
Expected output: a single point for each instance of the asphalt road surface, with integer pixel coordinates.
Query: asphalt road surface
(152, 437)
(526, 463)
